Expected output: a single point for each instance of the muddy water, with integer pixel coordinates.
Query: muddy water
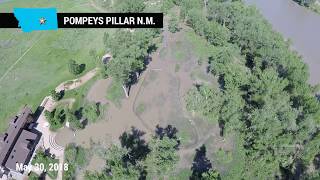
(300, 25)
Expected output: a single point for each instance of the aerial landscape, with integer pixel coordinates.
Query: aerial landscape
(226, 90)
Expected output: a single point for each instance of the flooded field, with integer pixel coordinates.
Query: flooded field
(157, 99)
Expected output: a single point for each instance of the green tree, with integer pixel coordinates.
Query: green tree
(197, 20)
(56, 118)
(130, 6)
(205, 100)
(74, 68)
(174, 25)
(167, 5)
(163, 156)
(33, 176)
(46, 160)
(95, 176)
(265, 93)
(91, 112)
(211, 175)
(216, 34)
(76, 158)
(118, 168)
(129, 51)
(55, 95)
(74, 122)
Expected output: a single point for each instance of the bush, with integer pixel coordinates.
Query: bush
(42, 158)
(75, 157)
(91, 112)
(75, 68)
(174, 25)
(74, 121)
(56, 118)
(56, 95)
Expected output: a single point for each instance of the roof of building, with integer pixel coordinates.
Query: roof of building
(22, 150)
(15, 142)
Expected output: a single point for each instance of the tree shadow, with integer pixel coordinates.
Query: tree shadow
(316, 162)
(169, 131)
(221, 82)
(37, 113)
(82, 67)
(137, 146)
(98, 108)
(153, 48)
(222, 127)
(201, 164)
(295, 171)
(61, 94)
(78, 113)
(250, 61)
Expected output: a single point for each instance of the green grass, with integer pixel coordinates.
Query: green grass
(141, 108)
(179, 51)
(115, 93)
(45, 65)
(235, 167)
(80, 94)
(184, 136)
(33, 176)
(183, 174)
(223, 157)
(200, 46)
(177, 68)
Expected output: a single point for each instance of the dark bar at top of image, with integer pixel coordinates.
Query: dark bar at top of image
(157, 19)
(8, 20)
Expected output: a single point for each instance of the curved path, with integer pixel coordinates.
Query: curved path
(75, 83)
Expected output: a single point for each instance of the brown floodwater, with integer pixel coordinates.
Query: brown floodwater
(300, 25)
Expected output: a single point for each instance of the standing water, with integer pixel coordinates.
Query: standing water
(300, 25)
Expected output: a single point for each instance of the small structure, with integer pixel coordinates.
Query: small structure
(106, 58)
(18, 143)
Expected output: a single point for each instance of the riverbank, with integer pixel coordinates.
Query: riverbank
(298, 24)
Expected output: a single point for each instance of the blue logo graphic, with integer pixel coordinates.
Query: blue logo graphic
(35, 19)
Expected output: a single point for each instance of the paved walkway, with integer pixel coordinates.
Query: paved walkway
(48, 137)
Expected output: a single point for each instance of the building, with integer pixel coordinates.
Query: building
(18, 143)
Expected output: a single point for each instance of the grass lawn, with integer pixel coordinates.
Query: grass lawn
(32, 64)
(79, 94)
(141, 108)
(115, 93)
(200, 46)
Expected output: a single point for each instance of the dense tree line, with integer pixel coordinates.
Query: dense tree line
(263, 96)
(129, 51)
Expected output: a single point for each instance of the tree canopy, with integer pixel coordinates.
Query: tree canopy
(263, 95)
